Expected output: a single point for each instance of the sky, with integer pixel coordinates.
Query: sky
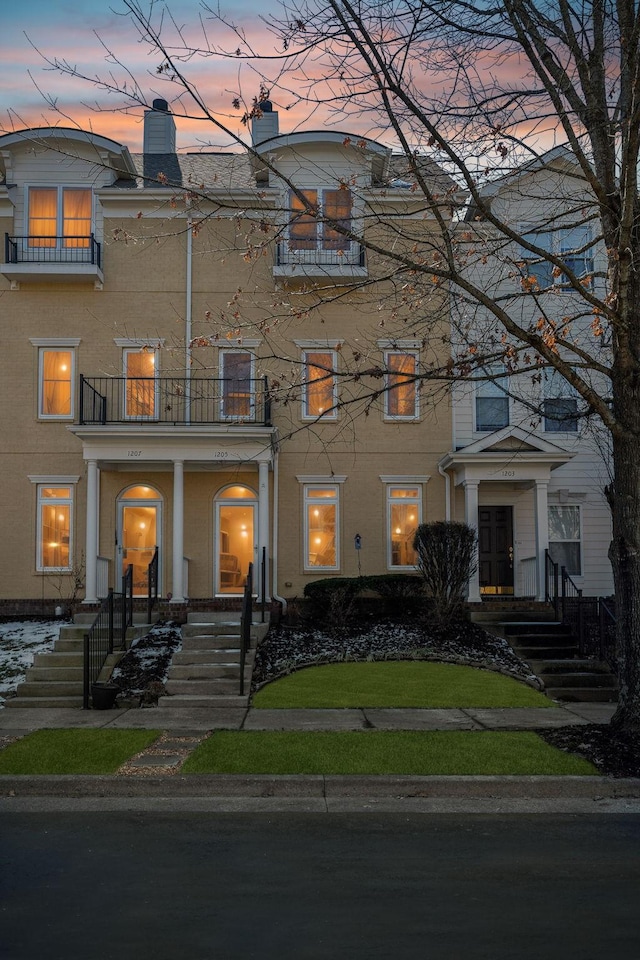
(84, 33)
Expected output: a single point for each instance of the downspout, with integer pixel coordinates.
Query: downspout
(447, 492)
(188, 311)
(274, 542)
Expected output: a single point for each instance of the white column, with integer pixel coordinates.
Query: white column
(91, 543)
(542, 534)
(471, 519)
(177, 590)
(263, 528)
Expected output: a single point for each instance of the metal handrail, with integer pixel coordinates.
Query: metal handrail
(245, 623)
(47, 249)
(97, 645)
(551, 582)
(152, 582)
(127, 605)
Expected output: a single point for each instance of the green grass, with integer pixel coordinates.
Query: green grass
(73, 751)
(397, 684)
(455, 753)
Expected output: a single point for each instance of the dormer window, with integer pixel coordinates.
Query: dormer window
(59, 217)
(308, 231)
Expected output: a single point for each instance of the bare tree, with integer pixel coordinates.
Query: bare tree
(480, 90)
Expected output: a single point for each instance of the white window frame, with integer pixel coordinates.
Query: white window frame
(319, 241)
(414, 384)
(308, 484)
(41, 483)
(555, 241)
(53, 345)
(226, 352)
(556, 388)
(579, 541)
(60, 188)
(332, 412)
(129, 346)
(496, 375)
(390, 501)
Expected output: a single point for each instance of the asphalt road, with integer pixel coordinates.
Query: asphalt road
(192, 886)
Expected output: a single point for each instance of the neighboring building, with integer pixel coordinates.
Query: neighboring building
(526, 460)
(188, 363)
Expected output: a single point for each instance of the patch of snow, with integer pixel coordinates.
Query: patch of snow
(20, 641)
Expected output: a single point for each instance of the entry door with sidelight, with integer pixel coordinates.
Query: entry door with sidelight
(236, 547)
(495, 550)
(139, 526)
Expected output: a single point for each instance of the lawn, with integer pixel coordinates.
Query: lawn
(397, 684)
(73, 751)
(432, 753)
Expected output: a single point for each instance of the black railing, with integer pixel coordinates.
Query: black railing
(245, 623)
(592, 620)
(315, 254)
(152, 584)
(52, 249)
(112, 621)
(176, 400)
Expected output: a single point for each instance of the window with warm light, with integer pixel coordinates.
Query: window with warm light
(54, 528)
(56, 383)
(59, 216)
(236, 374)
(319, 385)
(404, 514)
(140, 371)
(401, 396)
(321, 527)
(309, 230)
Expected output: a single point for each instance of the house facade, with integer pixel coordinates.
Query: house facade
(194, 360)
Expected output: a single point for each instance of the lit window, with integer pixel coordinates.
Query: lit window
(236, 369)
(59, 217)
(564, 538)
(140, 371)
(401, 397)
(306, 229)
(492, 400)
(404, 514)
(54, 528)
(319, 384)
(56, 383)
(560, 404)
(303, 228)
(321, 526)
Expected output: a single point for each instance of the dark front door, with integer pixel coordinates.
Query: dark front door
(495, 550)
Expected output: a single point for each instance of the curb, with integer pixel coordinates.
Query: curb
(324, 787)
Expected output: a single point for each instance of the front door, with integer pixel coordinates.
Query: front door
(236, 545)
(138, 532)
(495, 550)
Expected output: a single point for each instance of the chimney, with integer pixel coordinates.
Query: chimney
(265, 126)
(159, 129)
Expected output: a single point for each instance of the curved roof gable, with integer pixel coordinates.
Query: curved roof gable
(49, 136)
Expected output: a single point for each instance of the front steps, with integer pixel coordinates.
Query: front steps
(206, 671)
(56, 678)
(552, 653)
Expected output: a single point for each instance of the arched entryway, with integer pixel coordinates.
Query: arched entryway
(235, 537)
(139, 533)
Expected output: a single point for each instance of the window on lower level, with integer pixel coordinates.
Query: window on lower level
(319, 387)
(56, 375)
(59, 216)
(401, 397)
(492, 400)
(54, 549)
(404, 514)
(565, 538)
(321, 504)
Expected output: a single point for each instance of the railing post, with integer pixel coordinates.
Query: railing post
(110, 608)
(581, 645)
(85, 672)
(263, 583)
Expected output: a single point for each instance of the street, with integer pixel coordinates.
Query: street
(307, 886)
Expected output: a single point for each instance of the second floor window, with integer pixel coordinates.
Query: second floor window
(401, 397)
(560, 404)
(236, 368)
(56, 383)
(309, 230)
(573, 245)
(492, 401)
(140, 394)
(59, 216)
(319, 388)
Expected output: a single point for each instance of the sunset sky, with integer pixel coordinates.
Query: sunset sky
(72, 30)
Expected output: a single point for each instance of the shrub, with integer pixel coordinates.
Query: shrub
(446, 559)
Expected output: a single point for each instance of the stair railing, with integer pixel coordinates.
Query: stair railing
(97, 645)
(126, 620)
(551, 580)
(245, 623)
(152, 584)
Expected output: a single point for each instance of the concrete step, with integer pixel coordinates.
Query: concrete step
(207, 671)
(56, 659)
(222, 642)
(50, 689)
(550, 639)
(545, 653)
(43, 702)
(210, 702)
(46, 673)
(211, 629)
(518, 628)
(203, 688)
(582, 694)
(551, 667)
(208, 656)
(580, 680)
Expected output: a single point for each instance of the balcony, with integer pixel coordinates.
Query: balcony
(317, 260)
(173, 400)
(46, 259)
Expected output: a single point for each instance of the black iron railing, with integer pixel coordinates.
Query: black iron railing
(315, 254)
(592, 620)
(152, 584)
(246, 618)
(176, 400)
(110, 625)
(34, 249)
